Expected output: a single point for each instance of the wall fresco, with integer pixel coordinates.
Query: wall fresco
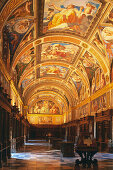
(71, 15)
(84, 110)
(98, 81)
(95, 105)
(4, 83)
(84, 92)
(46, 107)
(99, 104)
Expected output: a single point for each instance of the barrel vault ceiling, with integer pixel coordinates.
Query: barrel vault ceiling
(55, 47)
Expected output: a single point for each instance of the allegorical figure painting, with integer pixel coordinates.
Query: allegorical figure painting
(59, 51)
(46, 107)
(25, 62)
(107, 36)
(98, 43)
(77, 81)
(53, 70)
(90, 65)
(69, 15)
(14, 31)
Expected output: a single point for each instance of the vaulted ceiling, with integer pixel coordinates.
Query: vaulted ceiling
(54, 50)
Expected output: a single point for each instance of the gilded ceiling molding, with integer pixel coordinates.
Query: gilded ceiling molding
(96, 53)
(66, 90)
(80, 42)
(104, 11)
(46, 92)
(62, 38)
(47, 96)
(39, 65)
(48, 80)
(52, 89)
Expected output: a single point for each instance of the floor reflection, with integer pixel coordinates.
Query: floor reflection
(39, 155)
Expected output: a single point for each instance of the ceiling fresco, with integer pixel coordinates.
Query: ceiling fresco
(58, 53)
(25, 62)
(15, 30)
(75, 16)
(53, 70)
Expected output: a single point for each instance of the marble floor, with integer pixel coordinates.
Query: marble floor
(39, 155)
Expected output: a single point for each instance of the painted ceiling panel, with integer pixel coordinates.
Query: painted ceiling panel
(75, 16)
(53, 70)
(60, 50)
